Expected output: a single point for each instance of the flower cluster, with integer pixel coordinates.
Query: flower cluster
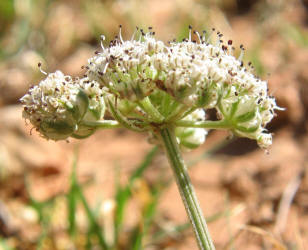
(147, 83)
(57, 106)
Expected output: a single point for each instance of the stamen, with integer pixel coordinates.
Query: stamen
(40, 67)
(102, 39)
(135, 31)
(105, 68)
(120, 33)
(203, 36)
(190, 29)
(240, 58)
(198, 35)
(230, 46)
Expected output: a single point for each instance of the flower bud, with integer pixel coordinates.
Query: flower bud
(191, 138)
(247, 117)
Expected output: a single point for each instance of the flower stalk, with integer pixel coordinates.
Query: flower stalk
(222, 124)
(186, 189)
(104, 124)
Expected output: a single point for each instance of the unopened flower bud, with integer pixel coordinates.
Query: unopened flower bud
(192, 137)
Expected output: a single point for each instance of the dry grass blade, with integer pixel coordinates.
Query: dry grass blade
(286, 201)
(263, 233)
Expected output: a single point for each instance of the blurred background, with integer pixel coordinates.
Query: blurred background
(121, 194)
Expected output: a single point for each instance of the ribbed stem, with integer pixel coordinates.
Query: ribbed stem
(102, 124)
(150, 109)
(186, 189)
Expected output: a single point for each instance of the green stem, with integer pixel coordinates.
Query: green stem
(148, 107)
(102, 124)
(186, 189)
(222, 124)
(123, 120)
(177, 113)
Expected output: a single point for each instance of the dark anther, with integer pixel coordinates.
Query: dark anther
(92, 85)
(39, 64)
(150, 28)
(230, 42)
(120, 26)
(190, 27)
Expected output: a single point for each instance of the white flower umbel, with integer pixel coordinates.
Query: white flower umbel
(58, 105)
(194, 74)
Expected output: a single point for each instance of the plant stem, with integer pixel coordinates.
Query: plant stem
(186, 189)
(148, 107)
(102, 124)
(222, 124)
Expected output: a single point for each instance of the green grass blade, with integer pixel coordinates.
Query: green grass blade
(147, 219)
(72, 201)
(123, 193)
(95, 227)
